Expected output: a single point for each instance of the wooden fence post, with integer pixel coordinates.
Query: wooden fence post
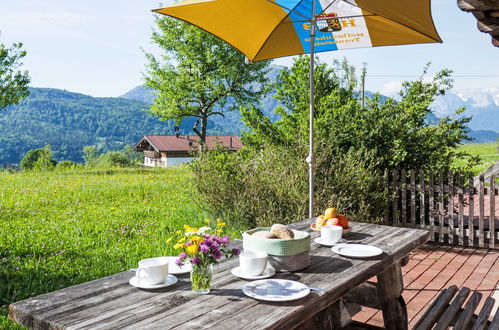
(450, 208)
(482, 211)
(492, 194)
(422, 206)
(432, 206)
(460, 217)
(403, 187)
(441, 208)
(413, 199)
(396, 199)
(471, 213)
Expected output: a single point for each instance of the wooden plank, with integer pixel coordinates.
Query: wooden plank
(471, 209)
(451, 311)
(403, 179)
(492, 231)
(482, 318)
(395, 190)
(390, 287)
(481, 207)
(450, 209)
(412, 223)
(460, 217)
(468, 311)
(441, 208)
(422, 204)
(432, 205)
(436, 309)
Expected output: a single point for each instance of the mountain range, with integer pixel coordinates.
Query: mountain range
(69, 121)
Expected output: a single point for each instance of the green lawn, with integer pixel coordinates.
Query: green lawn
(487, 151)
(63, 228)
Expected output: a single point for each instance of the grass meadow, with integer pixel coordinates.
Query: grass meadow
(63, 228)
(488, 152)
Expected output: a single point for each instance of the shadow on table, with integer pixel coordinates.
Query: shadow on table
(327, 265)
(353, 236)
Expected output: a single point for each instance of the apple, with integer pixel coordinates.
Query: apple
(333, 222)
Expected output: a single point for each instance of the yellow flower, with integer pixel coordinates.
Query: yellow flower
(195, 239)
(181, 240)
(220, 231)
(221, 224)
(192, 249)
(207, 220)
(178, 232)
(178, 246)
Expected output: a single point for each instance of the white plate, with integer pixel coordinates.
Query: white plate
(356, 250)
(318, 240)
(173, 268)
(169, 281)
(269, 272)
(276, 290)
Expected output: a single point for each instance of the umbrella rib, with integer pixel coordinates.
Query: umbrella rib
(407, 26)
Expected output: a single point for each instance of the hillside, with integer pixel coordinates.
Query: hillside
(69, 121)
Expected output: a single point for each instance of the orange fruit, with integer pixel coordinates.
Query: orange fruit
(330, 213)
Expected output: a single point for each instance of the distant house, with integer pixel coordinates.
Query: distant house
(171, 150)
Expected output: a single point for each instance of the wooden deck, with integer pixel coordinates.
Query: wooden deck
(433, 268)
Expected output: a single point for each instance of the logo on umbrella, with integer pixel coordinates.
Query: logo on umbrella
(328, 22)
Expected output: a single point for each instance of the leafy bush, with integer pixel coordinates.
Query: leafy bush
(67, 165)
(38, 159)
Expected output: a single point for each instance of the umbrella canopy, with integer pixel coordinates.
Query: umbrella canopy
(265, 29)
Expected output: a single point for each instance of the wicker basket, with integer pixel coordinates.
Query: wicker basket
(284, 254)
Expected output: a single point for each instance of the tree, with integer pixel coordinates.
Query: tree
(199, 75)
(394, 132)
(38, 159)
(13, 82)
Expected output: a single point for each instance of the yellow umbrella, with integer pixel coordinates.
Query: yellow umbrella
(266, 29)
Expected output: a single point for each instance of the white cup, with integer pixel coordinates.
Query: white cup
(253, 263)
(152, 270)
(331, 234)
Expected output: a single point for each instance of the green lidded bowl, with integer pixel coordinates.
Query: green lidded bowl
(277, 247)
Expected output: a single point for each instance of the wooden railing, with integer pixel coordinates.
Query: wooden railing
(449, 205)
(152, 154)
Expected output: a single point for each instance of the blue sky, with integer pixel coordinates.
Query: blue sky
(94, 46)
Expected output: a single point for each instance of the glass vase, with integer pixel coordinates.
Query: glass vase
(201, 278)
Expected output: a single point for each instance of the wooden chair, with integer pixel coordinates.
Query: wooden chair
(443, 313)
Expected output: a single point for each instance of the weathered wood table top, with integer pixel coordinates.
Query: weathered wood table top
(112, 303)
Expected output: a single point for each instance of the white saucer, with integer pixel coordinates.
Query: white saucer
(318, 240)
(269, 272)
(169, 281)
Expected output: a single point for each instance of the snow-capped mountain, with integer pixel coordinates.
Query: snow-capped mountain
(481, 104)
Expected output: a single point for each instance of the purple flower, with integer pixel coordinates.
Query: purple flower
(236, 251)
(188, 243)
(217, 254)
(196, 260)
(179, 261)
(204, 248)
(182, 255)
(225, 240)
(208, 242)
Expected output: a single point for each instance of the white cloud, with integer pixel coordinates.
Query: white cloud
(390, 88)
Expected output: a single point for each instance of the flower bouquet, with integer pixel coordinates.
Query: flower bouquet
(203, 247)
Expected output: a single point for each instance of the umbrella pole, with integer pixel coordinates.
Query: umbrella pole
(310, 158)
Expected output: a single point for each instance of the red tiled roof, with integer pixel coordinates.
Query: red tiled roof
(187, 142)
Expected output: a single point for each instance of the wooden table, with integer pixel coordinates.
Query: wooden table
(111, 303)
